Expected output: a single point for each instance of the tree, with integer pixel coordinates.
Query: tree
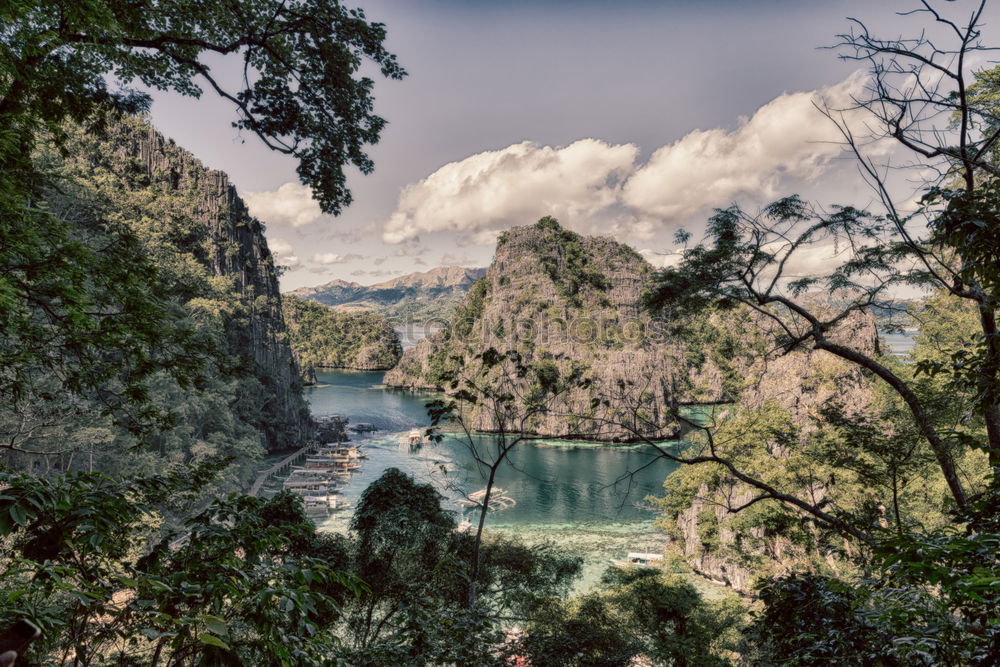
(413, 561)
(253, 582)
(509, 394)
(922, 592)
(919, 96)
(298, 90)
(636, 614)
(77, 292)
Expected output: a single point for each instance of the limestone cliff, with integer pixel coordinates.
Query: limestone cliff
(197, 213)
(769, 432)
(555, 296)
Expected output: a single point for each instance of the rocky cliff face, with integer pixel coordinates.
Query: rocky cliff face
(735, 548)
(556, 297)
(207, 219)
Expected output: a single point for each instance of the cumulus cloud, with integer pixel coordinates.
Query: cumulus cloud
(410, 251)
(291, 204)
(377, 273)
(328, 258)
(659, 258)
(283, 253)
(349, 236)
(515, 185)
(596, 187)
(809, 261)
(787, 139)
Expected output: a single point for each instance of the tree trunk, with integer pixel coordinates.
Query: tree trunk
(474, 576)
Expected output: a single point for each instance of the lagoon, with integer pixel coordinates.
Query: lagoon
(586, 497)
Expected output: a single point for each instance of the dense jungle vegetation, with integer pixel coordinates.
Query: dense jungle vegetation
(325, 338)
(857, 504)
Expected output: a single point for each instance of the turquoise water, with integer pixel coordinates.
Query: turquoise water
(899, 344)
(551, 483)
(587, 498)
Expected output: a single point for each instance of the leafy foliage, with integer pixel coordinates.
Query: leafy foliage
(639, 614)
(300, 91)
(416, 567)
(567, 264)
(249, 584)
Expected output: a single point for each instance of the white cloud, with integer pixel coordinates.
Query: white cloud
(291, 204)
(787, 140)
(449, 259)
(284, 253)
(660, 259)
(410, 251)
(493, 190)
(377, 273)
(810, 261)
(786, 146)
(328, 258)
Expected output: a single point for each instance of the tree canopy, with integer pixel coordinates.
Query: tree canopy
(298, 88)
(79, 297)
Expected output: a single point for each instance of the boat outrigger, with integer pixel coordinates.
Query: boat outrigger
(498, 501)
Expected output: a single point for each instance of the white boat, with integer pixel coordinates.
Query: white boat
(415, 437)
(325, 504)
(638, 559)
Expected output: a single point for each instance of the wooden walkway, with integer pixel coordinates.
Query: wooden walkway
(281, 465)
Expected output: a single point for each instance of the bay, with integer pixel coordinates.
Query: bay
(588, 498)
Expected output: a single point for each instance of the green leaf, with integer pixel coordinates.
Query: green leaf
(212, 640)
(214, 624)
(18, 514)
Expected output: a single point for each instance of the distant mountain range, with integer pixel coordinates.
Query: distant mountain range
(417, 297)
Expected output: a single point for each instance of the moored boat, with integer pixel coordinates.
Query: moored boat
(639, 559)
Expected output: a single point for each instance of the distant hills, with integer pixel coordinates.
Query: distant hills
(417, 297)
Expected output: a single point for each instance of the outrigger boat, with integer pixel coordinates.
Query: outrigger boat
(344, 452)
(498, 501)
(637, 559)
(323, 504)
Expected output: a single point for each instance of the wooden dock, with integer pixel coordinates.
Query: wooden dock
(282, 465)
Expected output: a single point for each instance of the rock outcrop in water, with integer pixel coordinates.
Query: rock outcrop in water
(324, 338)
(559, 298)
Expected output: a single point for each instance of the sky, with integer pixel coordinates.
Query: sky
(630, 118)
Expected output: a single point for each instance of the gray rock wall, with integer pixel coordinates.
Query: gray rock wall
(231, 245)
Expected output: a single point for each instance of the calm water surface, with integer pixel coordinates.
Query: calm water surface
(580, 497)
(550, 483)
(585, 497)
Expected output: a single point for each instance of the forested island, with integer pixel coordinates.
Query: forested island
(827, 502)
(321, 337)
